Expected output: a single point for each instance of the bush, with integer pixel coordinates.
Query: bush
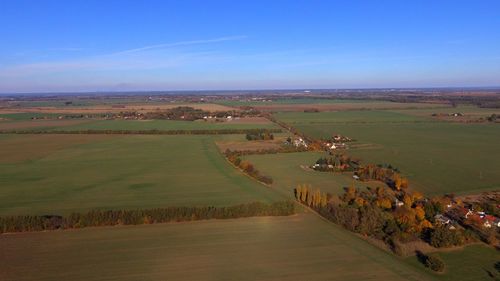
(435, 263)
(444, 237)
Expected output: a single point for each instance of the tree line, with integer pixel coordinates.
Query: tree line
(142, 216)
(146, 132)
(338, 162)
(247, 167)
(259, 136)
(371, 212)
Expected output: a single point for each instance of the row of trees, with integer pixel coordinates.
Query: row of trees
(260, 136)
(147, 132)
(337, 162)
(383, 173)
(281, 149)
(248, 168)
(147, 216)
(312, 198)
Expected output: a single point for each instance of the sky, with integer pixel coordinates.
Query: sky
(78, 46)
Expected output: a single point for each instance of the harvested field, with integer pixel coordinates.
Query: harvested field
(38, 124)
(300, 247)
(112, 108)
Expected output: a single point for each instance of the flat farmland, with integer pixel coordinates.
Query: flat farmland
(300, 247)
(475, 262)
(290, 169)
(167, 125)
(438, 157)
(100, 108)
(299, 105)
(22, 121)
(58, 174)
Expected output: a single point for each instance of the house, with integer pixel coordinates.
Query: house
(299, 142)
(441, 219)
(466, 213)
(398, 203)
(489, 221)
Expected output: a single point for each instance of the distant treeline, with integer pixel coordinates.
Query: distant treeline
(147, 216)
(146, 132)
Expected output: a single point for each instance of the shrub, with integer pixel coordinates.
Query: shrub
(444, 237)
(435, 263)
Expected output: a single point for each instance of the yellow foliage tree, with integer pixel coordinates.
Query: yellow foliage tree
(407, 200)
(419, 213)
(384, 203)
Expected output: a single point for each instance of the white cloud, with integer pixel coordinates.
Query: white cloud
(181, 43)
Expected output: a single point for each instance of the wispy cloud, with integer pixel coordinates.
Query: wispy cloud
(121, 59)
(181, 43)
(66, 49)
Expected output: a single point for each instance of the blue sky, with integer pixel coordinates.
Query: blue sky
(54, 46)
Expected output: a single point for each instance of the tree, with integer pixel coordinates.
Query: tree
(384, 203)
(419, 213)
(434, 263)
(444, 237)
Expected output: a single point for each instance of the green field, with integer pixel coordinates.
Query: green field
(165, 125)
(438, 157)
(317, 101)
(57, 174)
(476, 262)
(247, 102)
(19, 122)
(301, 247)
(287, 173)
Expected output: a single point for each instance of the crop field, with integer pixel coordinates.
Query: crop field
(287, 173)
(58, 174)
(22, 121)
(467, 110)
(300, 247)
(100, 108)
(476, 262)
(167, 125)
(326, 105)
(438, 157)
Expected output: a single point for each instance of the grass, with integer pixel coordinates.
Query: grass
(301, 247)
(62, 174)
(287, 173)
(476, 262)
(289, 101)
(438, 157)
(164, 125)
(313, 101)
